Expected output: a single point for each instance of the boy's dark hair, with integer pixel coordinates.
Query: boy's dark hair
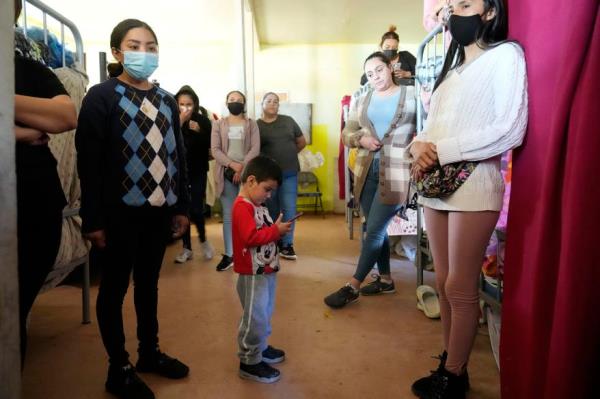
(262, 168)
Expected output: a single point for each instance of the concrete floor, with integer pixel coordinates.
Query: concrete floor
(374, 348)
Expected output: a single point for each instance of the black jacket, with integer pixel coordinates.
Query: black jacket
(197, 145)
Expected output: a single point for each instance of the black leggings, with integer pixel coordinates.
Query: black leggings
(135, 241)
(197, 193)
(38, 231)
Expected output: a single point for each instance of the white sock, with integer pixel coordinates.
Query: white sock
(353, 289)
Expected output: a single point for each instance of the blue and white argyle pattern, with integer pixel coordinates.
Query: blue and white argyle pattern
(149, 147)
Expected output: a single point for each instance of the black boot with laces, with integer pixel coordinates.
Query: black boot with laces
(423, 386)
(445, 385)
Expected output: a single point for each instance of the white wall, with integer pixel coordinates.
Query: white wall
(197, 41)
(200, 45)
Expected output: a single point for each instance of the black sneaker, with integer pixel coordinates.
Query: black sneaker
(124, 383)
(424, 386)
(225, 263)
(272, 355)
(162, 364)
(377, 286)
(260, 372)
(345, 295)
(445, 385)
(288, 253)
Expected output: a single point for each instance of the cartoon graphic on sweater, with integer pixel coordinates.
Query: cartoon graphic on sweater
(268, 254)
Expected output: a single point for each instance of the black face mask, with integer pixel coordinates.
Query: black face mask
(464, 29)
(235, 108)
(390, 54)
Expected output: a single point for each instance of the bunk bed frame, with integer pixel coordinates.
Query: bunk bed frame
(79, 64)
(426, 72)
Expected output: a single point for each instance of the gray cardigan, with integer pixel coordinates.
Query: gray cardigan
(219, 144)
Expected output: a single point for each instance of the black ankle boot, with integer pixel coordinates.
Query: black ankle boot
(445, 385)
(423, 386)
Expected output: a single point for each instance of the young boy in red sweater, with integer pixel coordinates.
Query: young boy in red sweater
(256, 259)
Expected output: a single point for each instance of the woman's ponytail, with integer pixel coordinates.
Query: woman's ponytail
(114, 69)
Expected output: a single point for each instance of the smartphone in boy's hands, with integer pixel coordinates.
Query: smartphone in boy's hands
(296, 217)
(283, 227)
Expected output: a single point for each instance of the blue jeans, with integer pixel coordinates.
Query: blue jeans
(376, 246)
(284, 200)
(230, 192)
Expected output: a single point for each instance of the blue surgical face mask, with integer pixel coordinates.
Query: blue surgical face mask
(139, 64)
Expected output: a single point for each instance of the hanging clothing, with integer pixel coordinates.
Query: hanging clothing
(341, 151)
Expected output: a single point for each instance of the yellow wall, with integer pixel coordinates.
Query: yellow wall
(321, 75)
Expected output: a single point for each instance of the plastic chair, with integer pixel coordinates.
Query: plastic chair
(308, 187)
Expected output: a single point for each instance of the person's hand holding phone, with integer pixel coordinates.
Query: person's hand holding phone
(283, 227)
(296, 217)
(402, 74)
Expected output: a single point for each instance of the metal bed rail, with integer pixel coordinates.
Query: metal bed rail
(46, 10)
(427, 70)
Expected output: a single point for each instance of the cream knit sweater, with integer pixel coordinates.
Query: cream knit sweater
(476, 115)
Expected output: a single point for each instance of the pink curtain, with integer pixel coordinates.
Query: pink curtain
(550, 345)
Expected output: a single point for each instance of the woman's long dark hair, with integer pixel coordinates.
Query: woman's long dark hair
(491, 34)
(378, 54)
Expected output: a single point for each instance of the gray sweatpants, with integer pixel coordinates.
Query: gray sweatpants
(257, 296)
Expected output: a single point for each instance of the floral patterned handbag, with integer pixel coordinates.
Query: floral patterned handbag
(442, 181)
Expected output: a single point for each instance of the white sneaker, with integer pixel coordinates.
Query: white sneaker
(184, 256)
(208, 250)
